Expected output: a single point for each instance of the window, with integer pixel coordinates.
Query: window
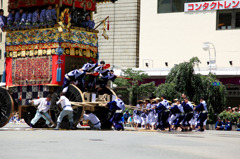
(237, 23)
(164, 6)
(178, 5)
(0, 54)
(228, 19)
(0, 37)
(169, 6)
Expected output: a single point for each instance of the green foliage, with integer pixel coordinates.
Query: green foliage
(183, 76)
(167, 89)
(147, 89)
(182, 79)
(133, 87)
(233, 117)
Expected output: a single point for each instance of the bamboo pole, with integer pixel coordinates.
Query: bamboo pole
(101, 104)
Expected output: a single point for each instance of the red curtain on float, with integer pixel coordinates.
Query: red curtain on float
(8, 71)
(54, 69)
(15, 4)
(38, 73)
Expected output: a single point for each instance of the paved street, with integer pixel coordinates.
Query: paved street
(16, 142)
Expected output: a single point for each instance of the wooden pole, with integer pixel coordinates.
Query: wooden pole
(101, 104)
(101, 23)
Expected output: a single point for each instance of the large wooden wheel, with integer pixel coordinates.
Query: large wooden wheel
(28, 114)
(6, 106)
(74, 94)
(102, 112)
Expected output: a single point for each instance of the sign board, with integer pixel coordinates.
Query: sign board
(233, 90)
(211, 5)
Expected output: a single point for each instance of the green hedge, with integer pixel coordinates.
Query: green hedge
(233, 117)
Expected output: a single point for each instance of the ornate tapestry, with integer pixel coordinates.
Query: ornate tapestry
(31, 71)
(41, 42)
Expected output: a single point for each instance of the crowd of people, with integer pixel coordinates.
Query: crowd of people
(157, 113)
(15, 119)
(160, 114)
(233, 109)
(23, 19)
(226, 119)
(77, 77)
(96, 70)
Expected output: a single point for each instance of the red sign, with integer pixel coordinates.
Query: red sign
(214, 5)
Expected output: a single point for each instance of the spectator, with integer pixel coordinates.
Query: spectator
(237, 110)
(88, 23)
(35, 18)
(238, 125)
(219, 125)
(126, 115)
(228, 125)
(10, 19)
(79, 23)
(3, 20)
(50, 16)
(29, 20)
(42, 18)
(17, 18)
(229, 109)
(130, 120)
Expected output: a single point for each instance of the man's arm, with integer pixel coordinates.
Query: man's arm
(34, 102)
(58, 102)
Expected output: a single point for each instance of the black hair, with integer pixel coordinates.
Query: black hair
(120, 96)
(163, 96)
(87, 111)
(91, 62)
(49, 96)
(102, 62)
(140, 102)
(202, 98)
(62, 94)
(147, 100)
(111, 71)
(1, 10)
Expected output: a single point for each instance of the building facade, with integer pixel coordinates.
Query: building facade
(122, 47)
(170, 35)
(174, 31)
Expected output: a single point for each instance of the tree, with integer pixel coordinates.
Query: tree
(182, 79)
(133, 86)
